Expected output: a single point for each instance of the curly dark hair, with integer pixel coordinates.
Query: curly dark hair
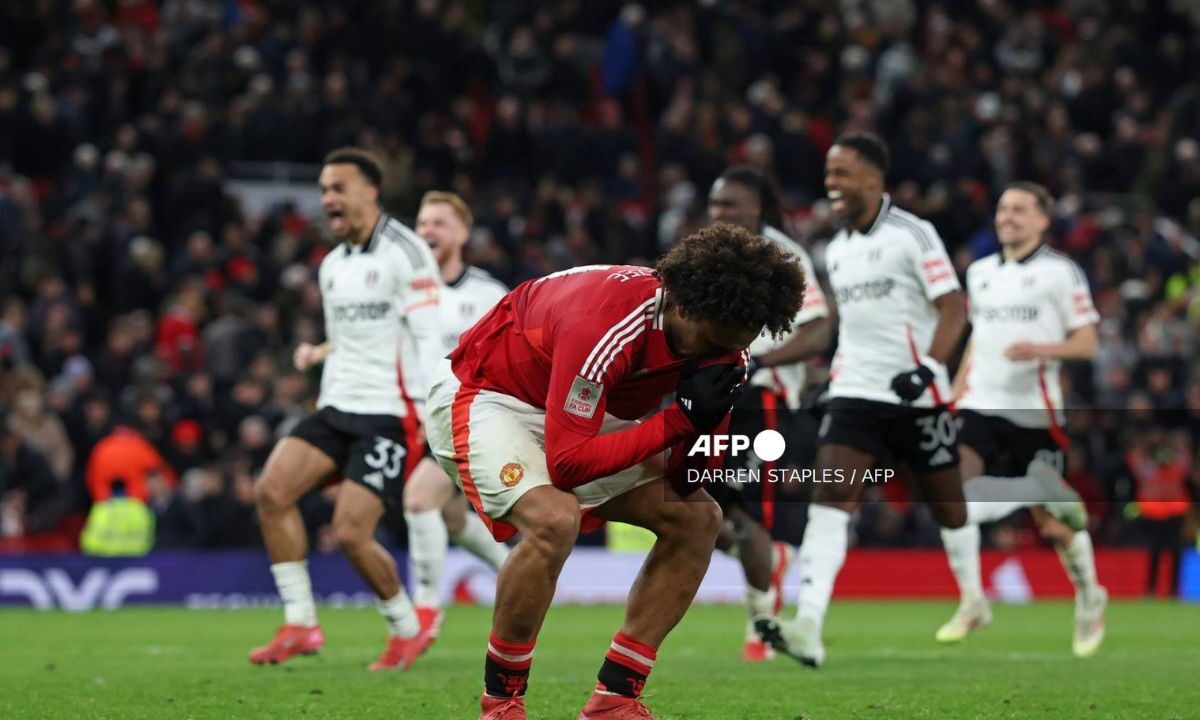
(726, 274)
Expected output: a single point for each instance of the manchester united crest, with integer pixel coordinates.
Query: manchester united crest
(511, 474)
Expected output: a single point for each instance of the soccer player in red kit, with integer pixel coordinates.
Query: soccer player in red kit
(540, 415)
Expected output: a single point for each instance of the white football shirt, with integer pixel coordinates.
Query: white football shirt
(1041, 298)
(379, 299)
(789, 379)
(884, 281)
(464, 301)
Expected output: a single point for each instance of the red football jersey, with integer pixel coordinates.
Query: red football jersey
(578, 344)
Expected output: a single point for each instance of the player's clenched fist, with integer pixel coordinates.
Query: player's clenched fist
(307, 355)
(707, 395)
(911, 384)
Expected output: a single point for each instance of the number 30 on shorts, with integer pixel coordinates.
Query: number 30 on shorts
(388, 457)
(937, 431)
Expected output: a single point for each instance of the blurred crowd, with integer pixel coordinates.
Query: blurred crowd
(140, 297)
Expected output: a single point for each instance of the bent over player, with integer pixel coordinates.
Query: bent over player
(538, 414)
(379, 290)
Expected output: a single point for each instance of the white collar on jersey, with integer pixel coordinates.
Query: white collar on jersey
(461, 278)
(884, 206)
(373, 241)
(1038, 251)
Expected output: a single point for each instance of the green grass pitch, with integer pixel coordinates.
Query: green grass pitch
(882, 664)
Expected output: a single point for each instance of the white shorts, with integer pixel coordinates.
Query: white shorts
(494, 446)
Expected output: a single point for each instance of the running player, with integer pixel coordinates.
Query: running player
(901, 315)
(434, 510)
(538, 416)
(1031, 309)
(744, 196)
(380, 293)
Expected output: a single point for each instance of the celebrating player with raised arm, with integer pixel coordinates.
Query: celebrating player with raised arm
(1030, 310)
(434, 510)
(901, 314)
(744, 196)
(541, 412)
(380, 292)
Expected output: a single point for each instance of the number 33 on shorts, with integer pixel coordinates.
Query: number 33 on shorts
(387, 460)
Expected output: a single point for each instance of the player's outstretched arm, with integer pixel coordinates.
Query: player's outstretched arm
(1081, 344)
(307, 355)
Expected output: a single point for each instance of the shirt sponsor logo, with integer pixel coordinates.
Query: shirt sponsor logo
(936, 269)
(362, 311)
(584, 398)
(1009, 313)
(865, 291)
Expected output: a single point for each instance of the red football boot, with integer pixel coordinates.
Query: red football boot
(502, 708)
(430, 619)
(289, 641)
(399, 654)
(603, 706)
(755, 650)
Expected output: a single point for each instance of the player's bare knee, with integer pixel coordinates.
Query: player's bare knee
(555, 532)
(697, 521)
(951, 516)
(1054, 532)
(271, 495)
(350, 536)
(417, 502)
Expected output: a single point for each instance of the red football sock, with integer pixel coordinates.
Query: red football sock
(506, 669)
(626, 666)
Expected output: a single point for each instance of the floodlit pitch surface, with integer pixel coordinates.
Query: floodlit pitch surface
(882, 663)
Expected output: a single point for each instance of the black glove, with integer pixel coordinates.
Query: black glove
(707, 395)
(911, 383)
